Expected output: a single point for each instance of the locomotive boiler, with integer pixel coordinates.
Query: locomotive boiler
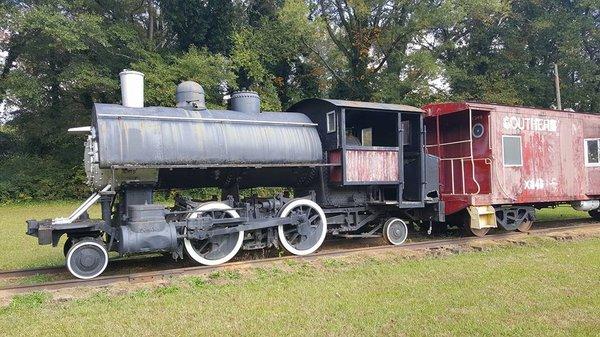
(351, 169)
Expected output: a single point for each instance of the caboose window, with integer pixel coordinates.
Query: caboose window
(511, 149)
(331, 125)
(592, 152)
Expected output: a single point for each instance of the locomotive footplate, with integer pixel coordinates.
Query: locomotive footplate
(48, 232)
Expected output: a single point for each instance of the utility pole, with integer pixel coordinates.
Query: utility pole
(557, 86)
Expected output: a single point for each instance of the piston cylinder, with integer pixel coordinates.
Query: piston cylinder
(146, 231)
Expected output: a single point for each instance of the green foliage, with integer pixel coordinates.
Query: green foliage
(271, 55)
(197, 282)
(413, 81)
(380, 48)
(506, 54)
(163, 73)
(205, 23)
(63, 56)
(224, 274)
(28, 177)
(28, 301)
(167, 289)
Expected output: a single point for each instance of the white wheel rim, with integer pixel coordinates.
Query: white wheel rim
(387, 229)
(83, 243)
(189, 248)
(285, 212)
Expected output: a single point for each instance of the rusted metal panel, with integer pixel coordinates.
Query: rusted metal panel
(371, 165)
(174, 136)
(335, 172)
(553, 165)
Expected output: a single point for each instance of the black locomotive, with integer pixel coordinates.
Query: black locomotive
(354, 169)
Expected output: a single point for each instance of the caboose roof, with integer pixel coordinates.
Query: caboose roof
(439, 109)
(354, 105)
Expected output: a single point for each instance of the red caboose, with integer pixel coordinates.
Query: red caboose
(498, 163)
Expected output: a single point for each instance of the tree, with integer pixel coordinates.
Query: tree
(371, 36)
(272, 57)
(261, 10)
(507, 56)
(61, 58)
(201, 23)
(163, 73)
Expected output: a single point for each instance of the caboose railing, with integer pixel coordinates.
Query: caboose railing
(462, 168)
(462, 159)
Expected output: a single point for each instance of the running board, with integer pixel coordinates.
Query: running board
(352, 236)
(81, 209)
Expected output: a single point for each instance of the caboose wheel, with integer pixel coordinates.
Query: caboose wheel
(595, 214)
(219, 248)
(478, 232)
(395, 231)
(306, 237)
(525, 226)
(87, 259)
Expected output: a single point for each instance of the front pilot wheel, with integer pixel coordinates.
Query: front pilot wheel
(87, 259)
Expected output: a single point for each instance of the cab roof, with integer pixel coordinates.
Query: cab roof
(354, 105)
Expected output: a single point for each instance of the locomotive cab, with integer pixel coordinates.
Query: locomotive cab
(374, 147)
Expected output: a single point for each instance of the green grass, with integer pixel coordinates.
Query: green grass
(547, 288)
(18, 250)
(562, 212)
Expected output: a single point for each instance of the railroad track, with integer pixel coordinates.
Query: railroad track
(149, 276)
(117, 263)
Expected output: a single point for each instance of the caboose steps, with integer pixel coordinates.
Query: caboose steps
(482, 217)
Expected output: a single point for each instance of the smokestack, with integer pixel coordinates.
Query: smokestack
(132, 88)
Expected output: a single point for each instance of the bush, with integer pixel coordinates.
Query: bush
(28, 177)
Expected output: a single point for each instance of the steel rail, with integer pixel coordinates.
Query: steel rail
(116, 262)
(149, 276)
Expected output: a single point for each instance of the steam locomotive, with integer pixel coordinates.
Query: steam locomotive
(351, 169)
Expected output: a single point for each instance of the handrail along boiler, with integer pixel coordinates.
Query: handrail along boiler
(356, 170)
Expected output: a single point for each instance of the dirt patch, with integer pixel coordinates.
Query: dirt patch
(575, 234)
(483, 245)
